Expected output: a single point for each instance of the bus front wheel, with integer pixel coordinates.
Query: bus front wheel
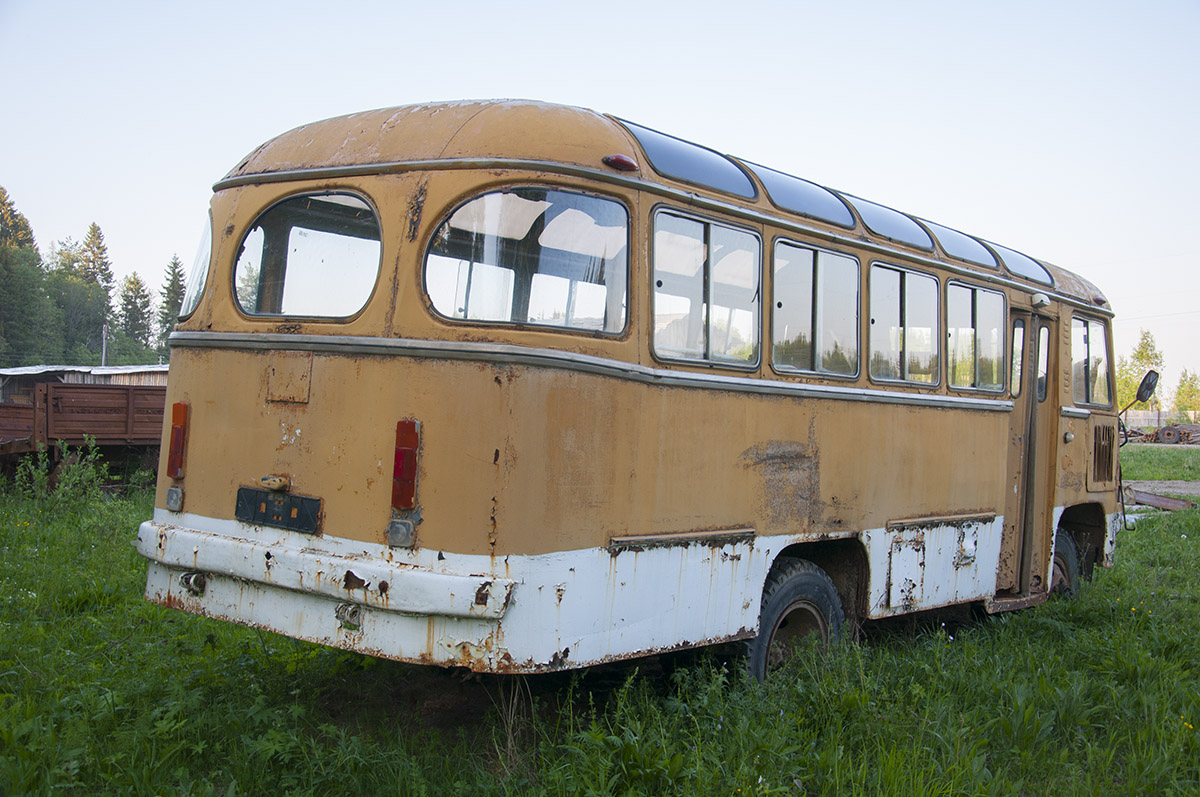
(798, 600)
(1064, 578)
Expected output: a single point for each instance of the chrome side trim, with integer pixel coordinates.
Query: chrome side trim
(551, 358)
(1076, 412)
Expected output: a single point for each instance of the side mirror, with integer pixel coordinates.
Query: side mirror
(1146, 388)
(1145, 391)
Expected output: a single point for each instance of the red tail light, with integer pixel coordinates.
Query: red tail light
(404, 476)
(179, 420)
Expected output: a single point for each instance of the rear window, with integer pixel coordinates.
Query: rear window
(314, 255)
(532, 256)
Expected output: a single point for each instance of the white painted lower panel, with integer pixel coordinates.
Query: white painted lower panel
(917, 567)
(502, 614)
(533, 613)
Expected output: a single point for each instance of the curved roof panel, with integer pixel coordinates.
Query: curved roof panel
(545, 133)
(691, 163)
(801, 196)
(961, 245)
(891, 224)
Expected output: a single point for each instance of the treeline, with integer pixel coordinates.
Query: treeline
(67, 309)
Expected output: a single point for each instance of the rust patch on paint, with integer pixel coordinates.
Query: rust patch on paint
(416, 207)
(790, 480)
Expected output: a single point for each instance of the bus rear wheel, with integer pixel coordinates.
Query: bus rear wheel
(799, 600)
(1064, 578)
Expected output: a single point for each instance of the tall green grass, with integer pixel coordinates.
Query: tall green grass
(1157, 462)
(102, 692)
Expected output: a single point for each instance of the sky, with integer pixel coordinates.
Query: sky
(1066, 130)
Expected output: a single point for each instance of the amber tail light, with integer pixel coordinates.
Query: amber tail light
(404, 476)
(179, 421)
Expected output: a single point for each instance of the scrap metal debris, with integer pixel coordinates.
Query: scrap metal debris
(1174, 433)
(1133, 496)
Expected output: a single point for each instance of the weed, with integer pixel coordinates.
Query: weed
(101, 691)
(1158, 463)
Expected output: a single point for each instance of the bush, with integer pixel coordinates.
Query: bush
(70, 477)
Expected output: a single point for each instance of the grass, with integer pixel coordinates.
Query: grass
(102, 692)
(1159, 462)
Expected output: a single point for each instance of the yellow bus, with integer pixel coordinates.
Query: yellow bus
(521, 387)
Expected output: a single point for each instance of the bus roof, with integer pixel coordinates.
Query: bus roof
(495, 132)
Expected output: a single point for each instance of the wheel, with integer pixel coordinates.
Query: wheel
(1064, 579)
(1169, 434)
(798, 600)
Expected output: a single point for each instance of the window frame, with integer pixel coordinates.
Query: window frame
(1002, 329)
(938, 327)
(787, 370)
(1108, 373)
(651, 270)
(527, 326)
(196, 281)
(354, 192)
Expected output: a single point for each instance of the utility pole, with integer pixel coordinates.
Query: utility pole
(104, 344)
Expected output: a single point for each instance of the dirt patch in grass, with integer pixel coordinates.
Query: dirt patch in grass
(1176, 487)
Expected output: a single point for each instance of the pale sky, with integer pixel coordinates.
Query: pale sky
(1066, 130)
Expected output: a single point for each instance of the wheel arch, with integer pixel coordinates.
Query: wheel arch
(1087, 525)
(845, 562)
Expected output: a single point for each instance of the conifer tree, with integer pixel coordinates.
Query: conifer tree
(94, 265)
(136, 316)
(30, 327)
(82, 304)
(14, 227)
(170, 299)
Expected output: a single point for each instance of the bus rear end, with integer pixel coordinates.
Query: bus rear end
(289, 483)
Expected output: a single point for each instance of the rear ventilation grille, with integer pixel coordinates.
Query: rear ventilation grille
(1104, 445)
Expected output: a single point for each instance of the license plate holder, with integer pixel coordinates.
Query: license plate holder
(281, 510)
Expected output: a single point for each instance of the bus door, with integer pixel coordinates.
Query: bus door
(1025, 546)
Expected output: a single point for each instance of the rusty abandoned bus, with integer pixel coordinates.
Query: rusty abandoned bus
(522, 387)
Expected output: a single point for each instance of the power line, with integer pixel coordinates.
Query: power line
(1121, 319)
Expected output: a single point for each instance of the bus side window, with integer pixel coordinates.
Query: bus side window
(904, 323)
(1018, 356)
(1089, 362)
(706, 291)
(1043, 362)
(815, 314)
(974, 337)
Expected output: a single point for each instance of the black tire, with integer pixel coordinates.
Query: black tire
(798, 599)
(1064, 578)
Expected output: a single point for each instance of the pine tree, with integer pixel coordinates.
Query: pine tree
(170, 300)
(14, 227)
(136, 316)
(82, 304)
(95, 266)
(30, 332)
(66, 257)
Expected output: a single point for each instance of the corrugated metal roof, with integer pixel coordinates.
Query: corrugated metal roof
(99, 370)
